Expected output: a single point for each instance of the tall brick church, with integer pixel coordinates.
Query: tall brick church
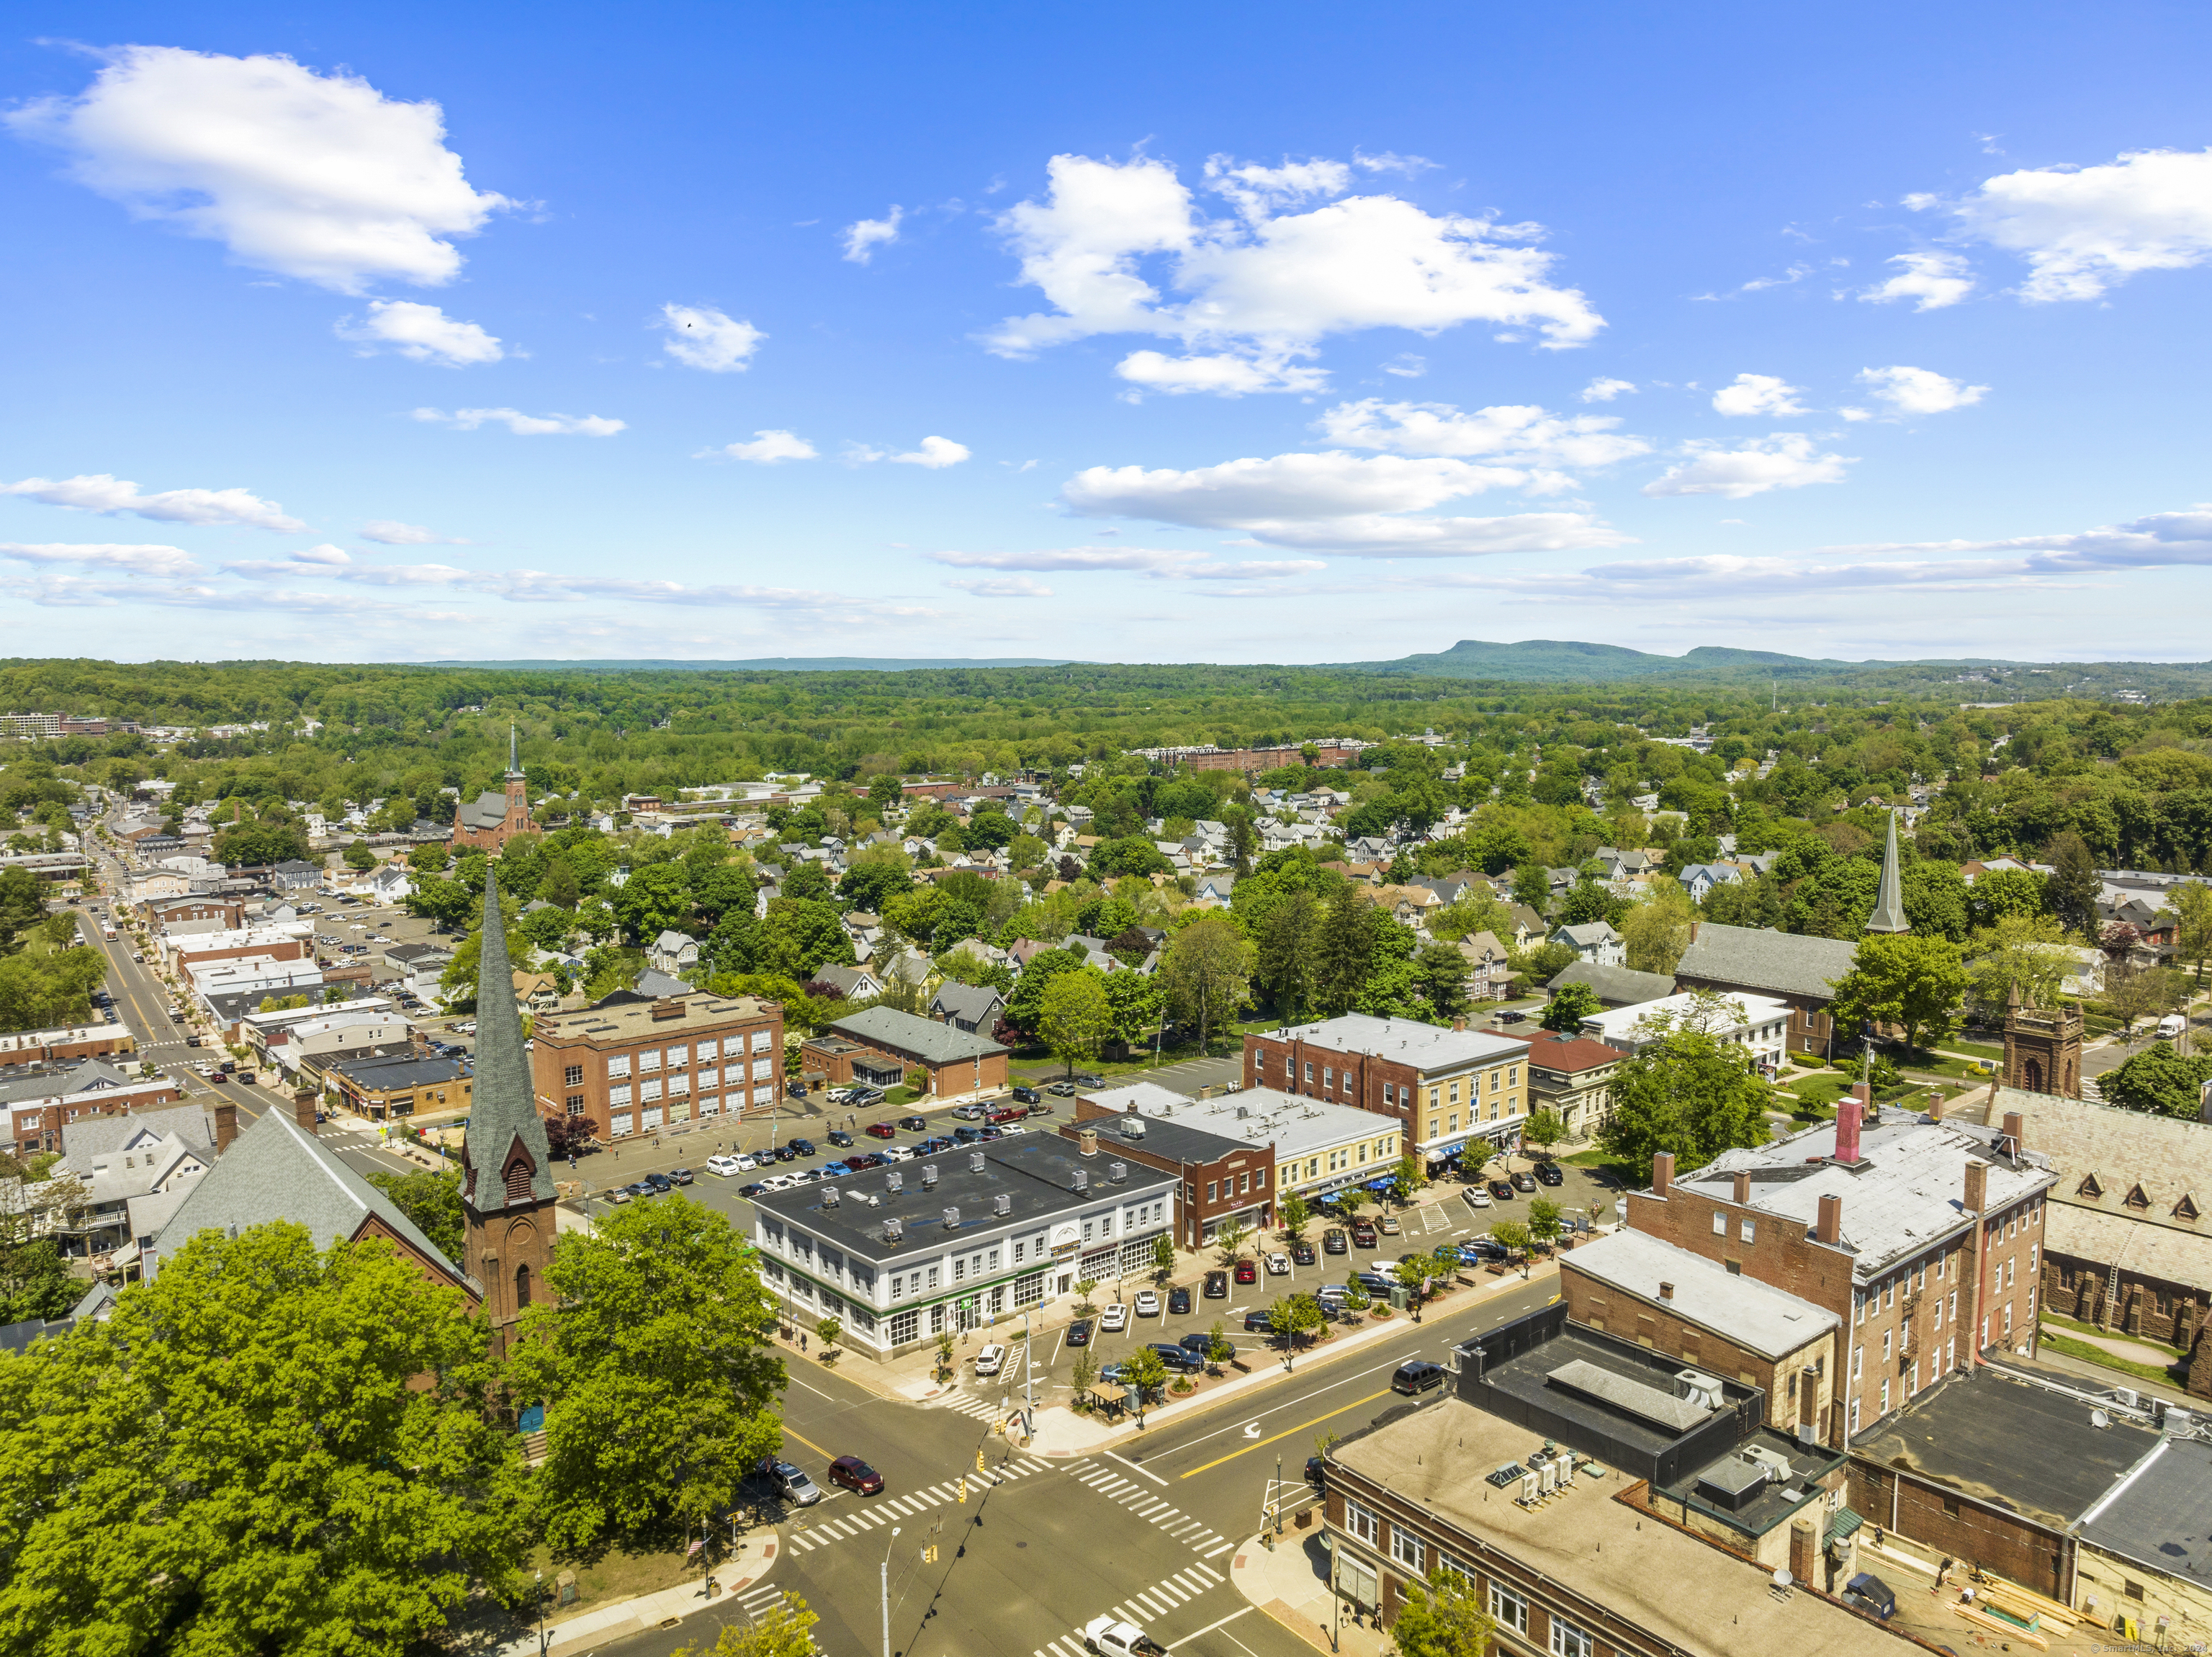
(490, 821)
(507, 1195)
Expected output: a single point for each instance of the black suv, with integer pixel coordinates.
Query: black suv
(1334, 1242)
(1549, 1174)
(1178, 1358)
(1418, 1377)
(1217, 1285)
(839, 1136)
(1029, 1096)
(800, 1147)
(1178, 1302)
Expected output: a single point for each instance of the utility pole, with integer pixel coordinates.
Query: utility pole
(884, 1578)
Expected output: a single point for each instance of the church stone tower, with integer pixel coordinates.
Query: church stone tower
(2043, 1048)
(506, 1164)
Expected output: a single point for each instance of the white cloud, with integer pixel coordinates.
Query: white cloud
(1407, 365)
(1334, 502)
(935, 453)
(700, 337)
(1930, 281)
(1785, 460)
(1003, 587)
(320, 177)
(167, 561)
(389, 532)
(1221, 373)
(1162, 564)
(1604, 391)
(1919, 391)
(1520, 432)
(2085, 229)
(422, 332)
(768, 447)
(863, 237)
(1271, 282)
(308, 561)
(524, 425)
(1759, 394)
(101, 492)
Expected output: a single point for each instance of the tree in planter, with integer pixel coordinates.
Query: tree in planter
(1411, 1175)
(1083, 1292)
(827, 1332)
(943, 1354)
(1442, 1617)
(1544, 1220)
(1219, 1350)
(1163, 1256)
(1356, 1297)
(1229, 1240)
(1543, 1129)
(1087, 1372)
(1351, 1199)
(1148, 1371)
(1513, 1236)
(1413, 1276)
(1296, 1214)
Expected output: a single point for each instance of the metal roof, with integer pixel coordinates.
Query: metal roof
(1424, 1047)
(919, 1038)
(1749, 957)
(1770, 1321)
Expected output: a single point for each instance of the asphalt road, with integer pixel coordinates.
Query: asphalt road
(1144, 1529)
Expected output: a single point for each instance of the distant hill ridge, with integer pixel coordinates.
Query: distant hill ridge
(767, 665)
(1548, 659)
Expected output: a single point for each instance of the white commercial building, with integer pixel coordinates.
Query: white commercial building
(1759, 1022)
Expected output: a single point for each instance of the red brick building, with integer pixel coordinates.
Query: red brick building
(1222, 1180)
(490, 821)
(1446, 1089)
(881, 1047)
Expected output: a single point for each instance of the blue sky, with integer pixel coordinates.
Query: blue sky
(1229, 333)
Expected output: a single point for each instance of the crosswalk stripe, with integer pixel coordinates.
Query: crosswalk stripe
(1209, 1573)
(805, 1544)
(1215, 1553)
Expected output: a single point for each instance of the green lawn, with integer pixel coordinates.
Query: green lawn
(1978, 1049)
(2066, 1347)
(2065, 1322)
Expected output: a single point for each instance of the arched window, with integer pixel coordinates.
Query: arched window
(2033, 1080)
(521, 1287)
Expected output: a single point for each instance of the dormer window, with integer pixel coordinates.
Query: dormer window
(2136, 1199)
(2184, 1209)
(2088, 1187)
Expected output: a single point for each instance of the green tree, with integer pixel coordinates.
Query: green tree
(1902, 978)
(2192, 908)
(2004, 891)
(435, 898)
(826, 1333)
(1229, 1238)
(1345, 953)
(1025, 1007)
(1442, 1617)
(1411, 1175)
(798, 938)
(1084, 1290)
(359, 858)
(1295, 1213)
(1219, 1348)
(1413, 1276)
(191, 1475)
(2070, 891)
(1074, 1019)
(1286, 954)
(1134, 1001)
(1440, 971)
(34, 1282)
(651, 1358)
(1292, 1319)
(432, 1199)
(2160, 1080)
(1569, 1007)
(1543, 1129)
(1657, 931)
(1544, 1220)
(1163, 1254)
(782, 1630)
(1207, 973)
(1689, 1091)
(1513, 1236)
(1356, 1297)
(1146, 1371)
(258, 843)
(656, 898)
(2027, 952)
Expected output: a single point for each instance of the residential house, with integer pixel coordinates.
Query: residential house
(1613, 986)
(1571, 1077)
(1699, 879)
(1595, 941)
(537, 992)
(851, 982)
(968, 1006)
(1758, 1023)
(1489, 971)
(674, 954)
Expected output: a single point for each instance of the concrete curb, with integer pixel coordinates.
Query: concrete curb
(618, 1620)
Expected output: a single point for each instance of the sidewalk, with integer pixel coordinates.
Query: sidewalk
(1289, 1583)
(753, 1560)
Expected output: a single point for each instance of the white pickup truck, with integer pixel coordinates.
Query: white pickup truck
(1111, 1637)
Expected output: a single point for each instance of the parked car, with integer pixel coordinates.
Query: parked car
(1063, 1089)
(1217, 1285)
(1279, 1265)
(988, 1360)
(1079, 1332)
(681, 1176)
(1303, 1252)
(790, 1483)
(795, 1090)
(970, 1112)
(1178, 1302)
(1387, 1225)
(620, 1195)
(660, 1182)
(915, 1124)
(898, 1154)
(1523, 1180)
(801, 1147)
(1418, 1377)
(839, 1136)
(1115, 1319)
(1178, 1357)
(856, 1476)
(756, 1189)
(1199, 1345)
(1007, 1113)
(724, 1167)
(965, 1135)
(1148, 1304)
(1550, 1173)
(1257, 1321)
(1510, 1017)
(881, 1130)
(932, 1145)
(1502, 1190)
(862, 1161)
(1029, 1096)
(1246, 1272)
(1363, 1234)
(1333, 1241)
(1087, 1079)
(1318, 1472)
(834, 1171)
(1478, 1197)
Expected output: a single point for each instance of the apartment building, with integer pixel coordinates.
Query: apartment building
(1447, 1089)
(1317, 1147)
(641, 1067)
(1759, 1024)
(1223, 1178)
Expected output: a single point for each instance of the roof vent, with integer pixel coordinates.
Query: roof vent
(928, 1175)
(1117, 1171)
(1002, 1203)
(952, 1219)
(1242, 1112)
(894, 1230)
(894, 1180)
(1081, 1179)
(667, 1009)
(829, 1196)
(975, 1161)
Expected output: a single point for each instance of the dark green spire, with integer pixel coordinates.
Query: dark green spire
(1889, 903)
(503, 1105)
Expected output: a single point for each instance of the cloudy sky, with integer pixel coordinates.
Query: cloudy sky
(1239, 334)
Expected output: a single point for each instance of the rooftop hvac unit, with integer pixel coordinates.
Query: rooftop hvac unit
(2180, 1423)
(1002, 1203)
(1081, 1179)
(894, 1230)
(952, 1219)
(1117, 1171)
(1699, 1388)
(1777, 1463)
(928, 1174)
(894, 1180)
(1530, 1482)
(829, 1196)
(1133, 1126)
(1548, 1477)
(975, 1161)
(2125, 1395)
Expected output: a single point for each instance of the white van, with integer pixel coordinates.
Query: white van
(2171, 1026)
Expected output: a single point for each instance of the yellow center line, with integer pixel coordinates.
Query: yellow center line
(808, 1443)
(1286, 1432)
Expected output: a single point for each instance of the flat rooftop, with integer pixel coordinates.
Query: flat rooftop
(634, 1022)
(1035, 1173)
(1615, 1410)
(1293, 1124)
(1770, 1321)
(1428, 1048)
(1589, 1542)
(2160, 1514)
(2010, 1442)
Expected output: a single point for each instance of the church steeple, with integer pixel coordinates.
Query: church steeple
(513, 768)
(508, 1193)
(1889, 903)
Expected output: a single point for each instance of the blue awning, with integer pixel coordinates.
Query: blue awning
(1381, 1184)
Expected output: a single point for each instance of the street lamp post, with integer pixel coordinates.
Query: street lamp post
(885, 1580)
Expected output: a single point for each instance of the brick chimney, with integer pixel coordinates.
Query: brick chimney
(1693, 930)
(1977, 1186)
(1804, 1552)
(304, 1101)
(1829, 1228)
(1935, 1107)
(1086, 1141)
(1662, 1174)
(226, 1125)
(1666, 1291)
(1848, 1110)
(1741, 1196)
(1459, 1024)
(2015, 1128)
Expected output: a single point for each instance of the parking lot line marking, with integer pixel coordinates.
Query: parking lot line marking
(1287, 1432)
(1134, 1468)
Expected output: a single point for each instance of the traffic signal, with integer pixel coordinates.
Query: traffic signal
(929, 1555)
(979, 1459)
(963, 1492)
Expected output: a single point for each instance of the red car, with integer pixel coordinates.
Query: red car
(855, 1475)
(999, 1118)
(1246, 1272)
(881, 1130)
